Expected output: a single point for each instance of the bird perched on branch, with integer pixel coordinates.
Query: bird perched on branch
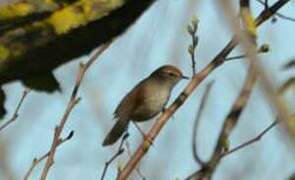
(145, 100)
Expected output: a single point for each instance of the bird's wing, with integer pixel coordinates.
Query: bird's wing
(130, 102)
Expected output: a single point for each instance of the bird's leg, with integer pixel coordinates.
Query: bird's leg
(145, 137)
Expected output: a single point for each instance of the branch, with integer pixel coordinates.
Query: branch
(34, 30)
(289, 65)
(117, 154)
(266, 81)
(195, 81)
(55, 42)
(138, 171)
(280, 15)
(251, 141)
(15, 114)
(72, 102)
(229, 124)
(249, 45)
(36, 161)
(196, 123)
(262, 49)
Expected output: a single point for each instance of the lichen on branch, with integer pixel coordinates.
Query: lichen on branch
(38, 36)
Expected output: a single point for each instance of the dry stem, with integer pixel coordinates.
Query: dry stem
(36, 161)
(72, 102)
(15, 114)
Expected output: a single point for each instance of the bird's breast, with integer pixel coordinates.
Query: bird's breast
(155, 98)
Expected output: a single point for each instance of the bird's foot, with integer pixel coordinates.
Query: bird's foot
(147, 139)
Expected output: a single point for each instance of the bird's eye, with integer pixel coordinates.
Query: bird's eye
(171, 74)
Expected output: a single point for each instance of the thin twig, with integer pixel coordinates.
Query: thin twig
(15, 114)
(193, 84)
(266, 81)
(263, 49)
(251, 141)
(72, 102)
(280, 15)
(117, 154)
(140, 174)
(197, 121)
(249, 37)
(249, 45)
(142, 133)
(289, 65)
(231, 120)
(36, 161)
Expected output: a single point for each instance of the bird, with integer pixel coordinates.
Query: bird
(147, 99)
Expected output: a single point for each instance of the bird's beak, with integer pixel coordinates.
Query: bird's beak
(184, 77)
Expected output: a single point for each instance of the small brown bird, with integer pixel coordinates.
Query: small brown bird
(145, 100)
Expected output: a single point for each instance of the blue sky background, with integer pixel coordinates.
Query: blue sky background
(158, 37)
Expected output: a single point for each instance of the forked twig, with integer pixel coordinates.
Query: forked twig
(280, 15)
(251, 141)
(72, 102)
(117, 154)
(15, 114)
(36, 161)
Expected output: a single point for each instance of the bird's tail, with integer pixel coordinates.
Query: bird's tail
(119, 128)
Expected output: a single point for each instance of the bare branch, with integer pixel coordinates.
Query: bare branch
(263, 49)
(140, 174)
(15, 114)
(249, 45)
(72, 102)
(117, 154)
(229, 124)
(280, 15)
(195, 81)
(289, 65)
(251, 141)
(197, 121)
(266, 81)
(36, 161)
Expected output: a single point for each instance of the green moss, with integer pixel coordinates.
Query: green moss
(81, 13)
(66, 19)
(14, 10)
(4, 53)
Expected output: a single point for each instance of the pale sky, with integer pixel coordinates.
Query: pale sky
(159, 37)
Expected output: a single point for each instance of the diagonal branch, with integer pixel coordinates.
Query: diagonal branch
(229, 124)
(72, 102)
(253, 140)
(195, 81)
(249, 45)
(280, 15)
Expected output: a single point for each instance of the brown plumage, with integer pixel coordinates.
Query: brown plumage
(144, 101)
